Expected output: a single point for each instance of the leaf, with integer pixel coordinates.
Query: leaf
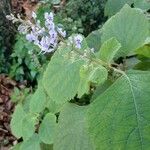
(53, 107)
(47, 128)
(113, 6)
(93, 74)
(145, 51)
(38, 100)
(130, 27)
(17, 121)
(143, 4)
(31, 144)
(144, 65)
(119, 118)
(101, 88)
(28, 127)
(109, 50)
(94, 40)
(62, 76)
(71, 133)
(46, 147)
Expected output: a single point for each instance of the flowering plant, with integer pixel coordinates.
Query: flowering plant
(116, 112)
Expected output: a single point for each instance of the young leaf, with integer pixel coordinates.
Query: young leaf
(119, 118)
(47, 128)
(71, 133)
(17, 121)
(91, 74)
(31, 144)
(108, 50)
(130, 27)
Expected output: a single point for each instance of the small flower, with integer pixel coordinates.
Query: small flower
(45, 45)
(78, 41)
(31, 37)
(49, 16)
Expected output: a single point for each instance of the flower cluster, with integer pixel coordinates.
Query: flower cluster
(47, 37)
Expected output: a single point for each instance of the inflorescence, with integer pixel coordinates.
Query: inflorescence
(47, 37)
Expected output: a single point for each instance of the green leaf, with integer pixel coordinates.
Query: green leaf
(53, 107)
(145, 51)
(144, 65)
(38, 100)
(109, 50)
(31, 144)
(62, 75)
(113, 6)
(130, 27)
(119, 118)
(143, 4)
(17, 121)
(94, 40)
(71, 133)
(47, 128)
(93, 74)
(101, 88)
(28, 127)
(46, 147)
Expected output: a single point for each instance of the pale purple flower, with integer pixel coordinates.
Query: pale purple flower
(30, 37)
(49, 17)
(45, 45)
(78, 41)
(50, 25)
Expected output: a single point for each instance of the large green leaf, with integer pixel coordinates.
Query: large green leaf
(72, 133)
(109, 49)
(47, 128)
(17, 121)
(119, 118)
(130, 27)
(62, 77)
(113, 6)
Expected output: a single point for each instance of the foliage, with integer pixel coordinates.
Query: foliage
(6, 37)
(113, 6)
(118, 114)
(27, 64)
(79, 16)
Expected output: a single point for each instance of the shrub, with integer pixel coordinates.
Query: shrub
(118, 113)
